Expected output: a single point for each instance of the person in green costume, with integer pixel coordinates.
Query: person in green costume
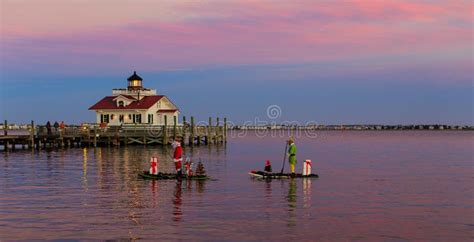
(292, 154)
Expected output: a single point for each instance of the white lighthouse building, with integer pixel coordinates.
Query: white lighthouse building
(135, 105)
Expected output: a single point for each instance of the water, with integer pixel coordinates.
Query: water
(378, 186)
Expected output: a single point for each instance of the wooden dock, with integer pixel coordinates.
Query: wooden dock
(93, 135)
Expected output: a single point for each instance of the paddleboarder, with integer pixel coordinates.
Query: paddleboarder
(178, 156)
(268, 167)
(292, 155)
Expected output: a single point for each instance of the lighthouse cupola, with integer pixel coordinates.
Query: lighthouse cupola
(135, 82)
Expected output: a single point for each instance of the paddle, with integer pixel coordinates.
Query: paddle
(284, 158)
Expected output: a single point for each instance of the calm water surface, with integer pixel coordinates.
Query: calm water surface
(378, 186)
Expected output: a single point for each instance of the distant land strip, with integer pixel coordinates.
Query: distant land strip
(307, 127)
(354, 127)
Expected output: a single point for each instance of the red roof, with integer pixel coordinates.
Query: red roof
(167, 110)
(109, 103)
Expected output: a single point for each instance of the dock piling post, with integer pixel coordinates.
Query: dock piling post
(224, 134)
(209, 133)
(32, 135)
(61, 137)
(95, 137)
(218, 133)
(191, 136)
(175, 121)
(5, 128)
(165, 131)
(184, 130)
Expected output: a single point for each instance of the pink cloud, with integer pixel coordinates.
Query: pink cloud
(237, 33)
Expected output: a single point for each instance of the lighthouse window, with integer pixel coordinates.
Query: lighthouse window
(120, 104)
(121, 118)
(104, 118)
(135, 83)
(150, 118)
(137, 118)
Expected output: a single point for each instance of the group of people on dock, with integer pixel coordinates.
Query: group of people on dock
(57, 127)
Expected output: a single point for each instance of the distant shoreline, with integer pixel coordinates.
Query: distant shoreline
(355, 127)
(361, 127)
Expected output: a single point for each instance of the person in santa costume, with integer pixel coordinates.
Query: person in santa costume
(177, 156)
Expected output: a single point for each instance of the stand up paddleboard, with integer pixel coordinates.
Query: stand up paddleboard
(170, 176)
(266, 175)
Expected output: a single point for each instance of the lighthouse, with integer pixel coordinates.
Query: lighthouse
(135, 105)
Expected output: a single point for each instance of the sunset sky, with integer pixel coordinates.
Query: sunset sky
(332, 62)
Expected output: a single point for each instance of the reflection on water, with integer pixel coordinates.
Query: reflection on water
(307, 195)
(373, 186)
(84, 168)
(177, 201)
(292, 203)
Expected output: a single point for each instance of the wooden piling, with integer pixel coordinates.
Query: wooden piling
(209, 132)
(175, 122)
(61, 137)
(5, 128)
(218, 133)
(125, 141)
(191, 136)
(184, 130)
(32, 135)
(89, 137)
(225, 130)
(165, 131)
(95, 137)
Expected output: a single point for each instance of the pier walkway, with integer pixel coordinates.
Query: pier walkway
(37, 137)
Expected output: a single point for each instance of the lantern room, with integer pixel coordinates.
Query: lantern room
(135, 82)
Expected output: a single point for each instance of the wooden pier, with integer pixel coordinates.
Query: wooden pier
(93, 135)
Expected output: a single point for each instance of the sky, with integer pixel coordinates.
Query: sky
(326, 62)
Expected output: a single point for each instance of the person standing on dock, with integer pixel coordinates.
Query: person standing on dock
(48, 128)
(178, 156)
(62, 126)
(292, 155)
(56, 127)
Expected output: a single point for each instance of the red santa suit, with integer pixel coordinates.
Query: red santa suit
(154, 166)
(178, 156)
